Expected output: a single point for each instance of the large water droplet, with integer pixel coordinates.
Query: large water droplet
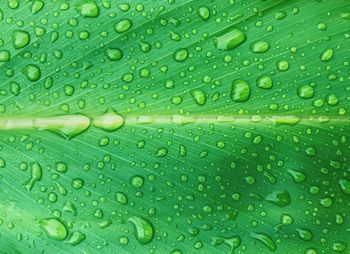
(88, 9)
(240, 91)
(66, 125)
(265, 239)
(143, 229)
(203, 12)
(306, 92)
(230, 40)
(279, 198)
(123, 25)
(54, 228)
(260, 47)
(199, 96)
(20, 39)
(32, 72)
(110, 121)
(180, 55)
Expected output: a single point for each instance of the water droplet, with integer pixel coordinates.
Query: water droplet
(240, 91)
(230, 40)
(109, 121)
(76, 238)
(137, 181)
(285, 120)
(121, 198)
(305, 234)
(88, 9)
(77, 183)
(279, 198)
(326, 202)
(180, 55)
(54, 228)
(61, 167)
(123, 25)
(264, 82)
(114, 54)
(67, 126)
(327, 55)
(345, 185)
(32, 72)
(37, 5)
(265, 239)
(339, 246)
(306, 92)
(20, 39)
(36, 175)
(298, 176)
(234, 242)
(203, 12)
(283, 65)
(5, 56)
(143, 229)
(199, 96)
(286, 219)
(260, 47)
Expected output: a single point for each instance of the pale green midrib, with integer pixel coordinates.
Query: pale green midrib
(76, 120)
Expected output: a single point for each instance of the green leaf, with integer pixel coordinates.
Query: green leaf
(215, 126)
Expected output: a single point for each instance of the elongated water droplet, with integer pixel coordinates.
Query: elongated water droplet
(114, 54)
(37, 5)
(285, 120)
(260, 47)
(345, 185)
(298, 176)
(327, 55)
(305, 234)
(54, 228)
(66, 125)
(143, 229)
(265, 239)
(230, 40)
(76, 238)
(279, 198)
(36, 175)
(110, 121)
(199, 96)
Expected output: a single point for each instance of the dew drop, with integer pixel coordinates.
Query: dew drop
(204, 13)
(260, 47)
(20, 39)
(123, 25)
(240, 91)
(109, 121)
(32, 72)
(54, 228)
(230, 40)
(198, 96)
(143, 229)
